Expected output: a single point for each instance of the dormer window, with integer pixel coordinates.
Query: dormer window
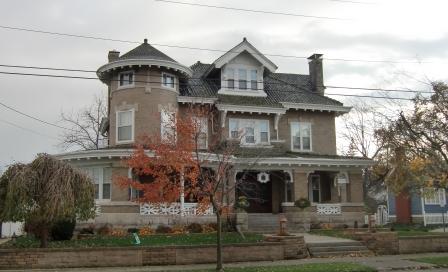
(168, 80)
(242, 79)
(126, 79)
(230, 72)
(253, 79)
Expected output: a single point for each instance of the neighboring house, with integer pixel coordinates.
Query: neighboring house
(285, 117)
(427, 207)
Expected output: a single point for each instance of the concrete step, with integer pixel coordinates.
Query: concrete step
(347, 248)
(341, 253)
(335, 244)
(341, 248)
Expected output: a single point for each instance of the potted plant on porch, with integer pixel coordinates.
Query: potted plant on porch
(241, 205)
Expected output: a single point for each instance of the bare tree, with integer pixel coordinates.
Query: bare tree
(85, 126)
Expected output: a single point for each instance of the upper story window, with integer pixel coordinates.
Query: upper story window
(253, 80)
(102, 178)
(168, 80)
(241, 78)
(201, 124)
(167, 125)
(230, 74)
(126, 79)
(125, 126)
(250, 131)
(435, 197)
(301, 136)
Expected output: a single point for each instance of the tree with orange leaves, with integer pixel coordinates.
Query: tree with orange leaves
(179, 164)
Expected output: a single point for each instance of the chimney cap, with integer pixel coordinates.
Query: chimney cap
(315, 56)
(145, 40)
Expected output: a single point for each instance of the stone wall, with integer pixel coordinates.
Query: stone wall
(420, 244)
(382, 243)
(138, 256)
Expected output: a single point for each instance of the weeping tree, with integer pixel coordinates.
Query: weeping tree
(44, 192)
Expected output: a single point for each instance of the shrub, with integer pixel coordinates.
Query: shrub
(145, 231)
(194, 228)
(63, 230)
(133, 230)
(208, 228)
(178, 229)
(163, 229)
(119, 232)
(106, 229)
(88, 230)
(302, 203)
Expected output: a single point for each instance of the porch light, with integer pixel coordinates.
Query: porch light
(263, 177)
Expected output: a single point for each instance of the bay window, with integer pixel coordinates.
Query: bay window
(252, 132)
(301, 136)
(125, 126)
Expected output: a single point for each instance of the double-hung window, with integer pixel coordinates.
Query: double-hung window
(126, 79)
(435, 197)
(300, 136)
(230, 77)
(125, 126)
(102, 178)
(168, 80)
(250, 131)
(168, 126)
(242, 79)
(201, 124)
(253, 80)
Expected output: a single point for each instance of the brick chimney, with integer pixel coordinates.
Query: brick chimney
(316, 73)
(113, 55)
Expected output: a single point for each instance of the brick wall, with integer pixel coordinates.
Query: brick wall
(138, 256)
(421, 244)
(382, 243)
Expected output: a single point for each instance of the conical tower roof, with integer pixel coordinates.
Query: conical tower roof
(146, 51)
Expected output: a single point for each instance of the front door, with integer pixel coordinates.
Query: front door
(258, 194)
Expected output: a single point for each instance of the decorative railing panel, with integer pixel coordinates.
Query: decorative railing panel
(329, 209)
(173, 209)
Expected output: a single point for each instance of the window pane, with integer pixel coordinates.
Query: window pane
(97, 189)
(249, 135)
(230, 74)
(306, 136)
(295, 136)
(124, 118)
(306, 143)
(130, 78)
(125, 133)
(254, 79)
(243, 84)
(230, 83)
(264, 126)
(263, 137)
(233, 125)
(242, 76)
(106, 191)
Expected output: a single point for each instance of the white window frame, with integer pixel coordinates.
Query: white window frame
(301, 139)
(203, 123)
(164, 126)
(101, 182)
(126, 85)
(435, 196)
(227, 74)
(242, 123)
(167, 86)
(132, 124)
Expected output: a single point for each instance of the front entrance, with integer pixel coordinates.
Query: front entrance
(259, 194)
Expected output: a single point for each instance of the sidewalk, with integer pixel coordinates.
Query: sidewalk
(381, 263)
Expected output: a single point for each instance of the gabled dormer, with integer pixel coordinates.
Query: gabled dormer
(242, 70)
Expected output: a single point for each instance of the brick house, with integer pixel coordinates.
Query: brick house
(287, 116)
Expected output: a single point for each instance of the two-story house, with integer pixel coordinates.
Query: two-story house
(285, 117)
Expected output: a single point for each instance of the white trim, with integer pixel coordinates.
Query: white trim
(316, 107)
(301, 161)
(165, 86)
(250, 109)
(240, 48)
(132, 130)
(144, 62)
(256, 128)
(196, 100)
(101, 175)
(242, 92)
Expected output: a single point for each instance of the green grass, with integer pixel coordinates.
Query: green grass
(153, 240)
(439, 261)
(327, 267)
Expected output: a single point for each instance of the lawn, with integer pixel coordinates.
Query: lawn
(152, 240)
(327, 267)
(402, 231)
(439, 261)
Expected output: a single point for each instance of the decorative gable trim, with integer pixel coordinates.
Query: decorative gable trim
(316, 107)
(250, 109)
(241, 47)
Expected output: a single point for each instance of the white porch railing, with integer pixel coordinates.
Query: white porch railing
(435, 218)
(329, 209)
(173, 209)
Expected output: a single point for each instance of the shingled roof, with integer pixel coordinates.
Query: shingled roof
(146, 51)
(279, 87)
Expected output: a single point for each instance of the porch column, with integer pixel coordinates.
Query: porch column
(300, 184)
(355, 189)
(231, 182)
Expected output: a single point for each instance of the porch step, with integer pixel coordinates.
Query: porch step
(323, 250)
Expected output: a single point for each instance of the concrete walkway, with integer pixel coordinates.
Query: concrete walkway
(3, 240)
(381, 263)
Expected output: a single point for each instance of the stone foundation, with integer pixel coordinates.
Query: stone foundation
(421, 244)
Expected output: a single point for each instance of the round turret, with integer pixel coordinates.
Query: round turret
(143, 87)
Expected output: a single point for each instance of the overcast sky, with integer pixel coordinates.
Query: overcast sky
(412, 31)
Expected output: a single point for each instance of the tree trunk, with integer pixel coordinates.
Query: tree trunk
(219, 242)
(44, 237)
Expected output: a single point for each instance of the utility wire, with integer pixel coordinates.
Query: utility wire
(93, 78)
(250, 10)
(47, 68)
(27, 129)
(207, 49)
(34, 118)
(215, 82)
